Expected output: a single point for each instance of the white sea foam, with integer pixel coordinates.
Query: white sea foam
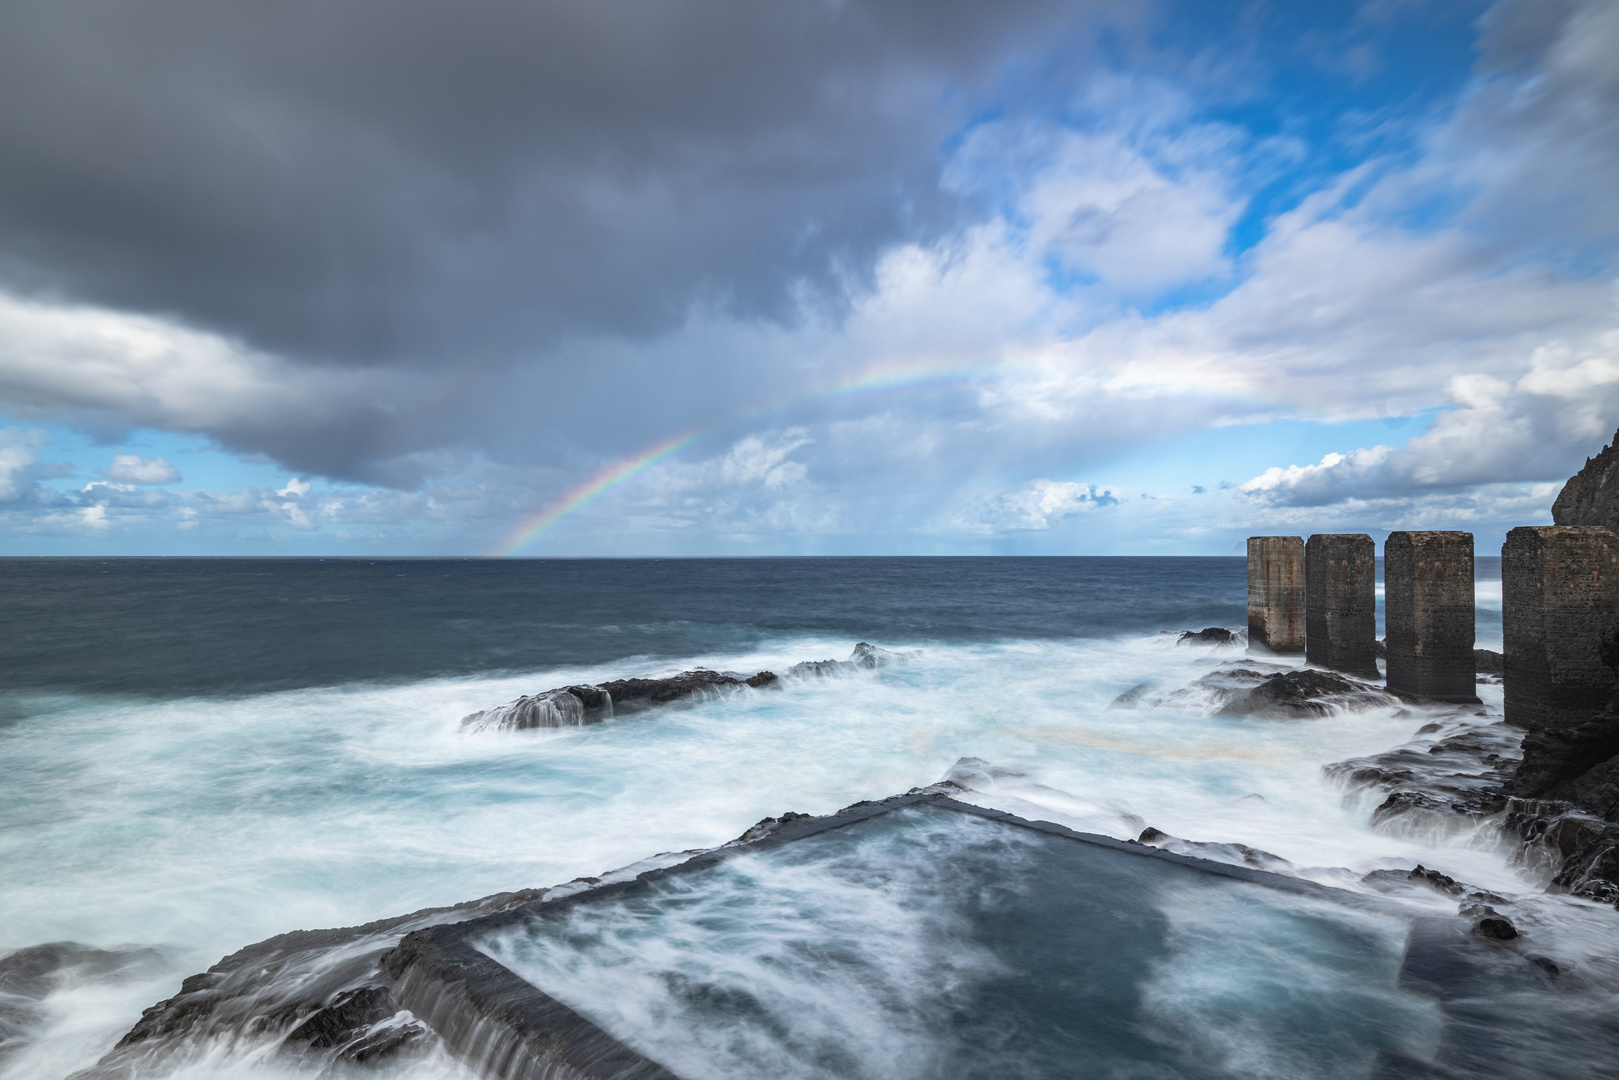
(203, 825)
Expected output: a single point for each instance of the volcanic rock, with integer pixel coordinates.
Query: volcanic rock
(1304, 693)
(1591, 496)
(1213, 635)
(572, 706)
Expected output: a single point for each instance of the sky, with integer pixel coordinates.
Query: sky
(716, 277)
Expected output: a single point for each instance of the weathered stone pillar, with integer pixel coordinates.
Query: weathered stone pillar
(1340, 603)
(1428, 609)
(1559, 598)
(1276, 594)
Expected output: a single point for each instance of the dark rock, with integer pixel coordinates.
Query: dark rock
(769, 826)
(1381, 648)
(1458, 776)
(1488, 662)
(1304, 693)
(348, 1015)
(1418, 876)
(320, 983)
(1575, 762)
(572, 706)
(1489, 923)
(1591, 496)
(1213, 635)
(386, 1043)
(628, 694)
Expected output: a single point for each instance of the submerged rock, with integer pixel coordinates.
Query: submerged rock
(1488, 922)
(866, 657)
(1305, 693)
(1215, 851)
(28, 976)
(1132, 697)
(1419, 876)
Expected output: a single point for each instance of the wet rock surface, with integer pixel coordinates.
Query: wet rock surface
(1305, 693)
(1231, 853)
(1458, 770)
(315, 995)
(1213, 635)
(574, 706)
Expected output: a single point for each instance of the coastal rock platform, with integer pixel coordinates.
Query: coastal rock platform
(1034, 920)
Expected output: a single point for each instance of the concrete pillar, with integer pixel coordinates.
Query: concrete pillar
(1340, 603)
(1276, 594)
(1559, 597)
(1428, 608)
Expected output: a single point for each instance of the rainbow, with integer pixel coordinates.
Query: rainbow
(870, 382)
(532, 528)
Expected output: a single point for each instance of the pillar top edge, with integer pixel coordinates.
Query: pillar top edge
(1429, 532)
(1340, 536)
(1561, 530)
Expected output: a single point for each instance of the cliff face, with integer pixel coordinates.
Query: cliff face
(1591, 496)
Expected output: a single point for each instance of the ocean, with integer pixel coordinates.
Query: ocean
(199, 754)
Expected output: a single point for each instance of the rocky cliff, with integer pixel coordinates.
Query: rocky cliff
(1591, 496)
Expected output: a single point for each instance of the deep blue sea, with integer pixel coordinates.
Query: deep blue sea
(201, 753)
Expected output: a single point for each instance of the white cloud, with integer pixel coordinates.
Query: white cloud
(1499, 432)
(1039, 505)
(133, 469)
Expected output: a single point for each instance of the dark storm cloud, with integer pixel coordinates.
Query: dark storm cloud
(405, 180)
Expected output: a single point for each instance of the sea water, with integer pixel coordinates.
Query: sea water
(199, 754)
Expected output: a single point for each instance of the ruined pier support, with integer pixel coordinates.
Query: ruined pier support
(1276, 594)
(1340, 597)
(1560, 595)
(1428, 607)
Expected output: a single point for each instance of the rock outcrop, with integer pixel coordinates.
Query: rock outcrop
(1305, 693)
(1591, 496)
(1452, 768)
(1213, 635)
(573, 706)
